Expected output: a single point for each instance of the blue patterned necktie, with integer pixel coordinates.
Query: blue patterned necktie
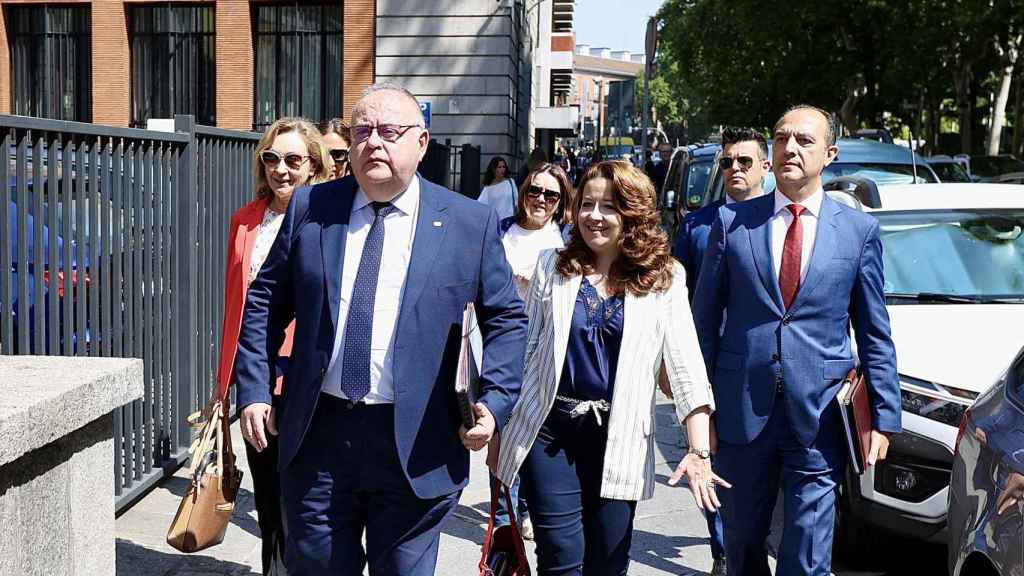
(355, 362)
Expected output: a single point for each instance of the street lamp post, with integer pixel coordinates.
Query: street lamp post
(600, 115)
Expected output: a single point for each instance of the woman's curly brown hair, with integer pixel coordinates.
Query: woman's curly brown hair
(645, 262)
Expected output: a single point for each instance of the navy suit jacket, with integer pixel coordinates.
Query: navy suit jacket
(808, 346)
(457, 257)
(692, 241)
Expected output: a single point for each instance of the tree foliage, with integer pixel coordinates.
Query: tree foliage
(893, 63)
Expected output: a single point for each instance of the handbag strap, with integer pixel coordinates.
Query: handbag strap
(520, 546)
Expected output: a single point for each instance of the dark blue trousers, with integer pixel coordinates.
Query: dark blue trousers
(347, 479)
(716, 533)
(576, 530)
(809, 477)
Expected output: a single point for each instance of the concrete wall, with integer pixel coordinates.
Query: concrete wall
(466, 58)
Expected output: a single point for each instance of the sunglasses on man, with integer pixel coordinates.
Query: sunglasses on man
(339, 154)
(293, 160)
(535, 192)
(743, 162)
(387, 132)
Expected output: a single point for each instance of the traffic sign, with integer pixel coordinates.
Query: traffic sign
(425, 109)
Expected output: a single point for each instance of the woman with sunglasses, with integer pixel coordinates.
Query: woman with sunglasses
(290, 154)
(338, 142)
(604, 313)
(538, 224)
(499, 190)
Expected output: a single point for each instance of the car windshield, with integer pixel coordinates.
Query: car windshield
(991, 166)
(950, 172)
(696, 181)
(879, 173)
(971, 253)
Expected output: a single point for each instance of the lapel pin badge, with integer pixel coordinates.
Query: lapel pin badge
(437, 224)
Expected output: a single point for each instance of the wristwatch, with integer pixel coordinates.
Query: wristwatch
(702, 454)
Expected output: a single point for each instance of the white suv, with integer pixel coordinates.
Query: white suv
(954, 283)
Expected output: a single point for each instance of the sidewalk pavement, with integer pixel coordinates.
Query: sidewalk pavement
(670, 536)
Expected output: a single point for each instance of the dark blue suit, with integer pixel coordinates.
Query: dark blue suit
(692, 241)
(776, 372)
(412, 448)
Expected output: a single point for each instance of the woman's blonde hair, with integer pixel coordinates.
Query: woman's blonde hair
(318, 157)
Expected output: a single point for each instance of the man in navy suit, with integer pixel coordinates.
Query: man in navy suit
(744, 163)
(376, 271)
(790, 273)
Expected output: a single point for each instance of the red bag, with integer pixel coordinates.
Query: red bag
(504, 552)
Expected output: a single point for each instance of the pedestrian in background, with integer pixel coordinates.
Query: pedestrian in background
(375, 270)
(499, 192)
(338, 142)
(290, 154)
(783, 280)
(744, 164)
(537, 157)
(603, 313)
(659, 170)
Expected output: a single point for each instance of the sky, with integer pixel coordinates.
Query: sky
(615, 24)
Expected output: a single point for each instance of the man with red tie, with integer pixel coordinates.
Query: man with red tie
(791, 272)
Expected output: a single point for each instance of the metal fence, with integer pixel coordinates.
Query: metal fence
(114, 245)
(454, 167)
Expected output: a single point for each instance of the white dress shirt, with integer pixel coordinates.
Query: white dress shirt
(399, 233)
(780, 225)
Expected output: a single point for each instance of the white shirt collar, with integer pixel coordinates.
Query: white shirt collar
(405, 202)
(812, 204)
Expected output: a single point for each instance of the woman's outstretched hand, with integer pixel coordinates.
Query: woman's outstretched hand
(702, 481)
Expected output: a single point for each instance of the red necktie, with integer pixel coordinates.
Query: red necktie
(789, 271)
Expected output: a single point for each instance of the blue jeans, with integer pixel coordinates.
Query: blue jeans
(501, 514)
(576, 530)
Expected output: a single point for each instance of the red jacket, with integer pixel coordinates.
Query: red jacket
(245, 224)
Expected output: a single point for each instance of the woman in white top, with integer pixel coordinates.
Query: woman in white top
(499, 190)
(537, 225)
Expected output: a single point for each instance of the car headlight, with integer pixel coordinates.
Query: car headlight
(944, 404)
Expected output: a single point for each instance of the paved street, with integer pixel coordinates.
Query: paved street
(670, 537)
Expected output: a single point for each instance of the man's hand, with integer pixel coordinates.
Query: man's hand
(258, 420)
(879, 447)
(1011, 494)
(479, 435)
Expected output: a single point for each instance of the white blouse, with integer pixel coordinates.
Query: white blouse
(523, 247)
(265, 236)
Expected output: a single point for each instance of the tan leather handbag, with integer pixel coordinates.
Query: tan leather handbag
(206, 509)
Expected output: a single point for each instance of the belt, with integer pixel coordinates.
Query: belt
(581, 407)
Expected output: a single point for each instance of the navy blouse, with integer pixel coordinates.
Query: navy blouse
(594, 341)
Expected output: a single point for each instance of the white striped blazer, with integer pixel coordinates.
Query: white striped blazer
(655, 326)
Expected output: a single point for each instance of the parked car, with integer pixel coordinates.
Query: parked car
(954, 285)
(686, 181)
(990, 168)
(948, 169)
(986, 492)
(881, 163)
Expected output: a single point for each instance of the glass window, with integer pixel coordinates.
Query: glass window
(51, 63)
(172, 62)
(879, 173)
(976, 253)
(298, 61)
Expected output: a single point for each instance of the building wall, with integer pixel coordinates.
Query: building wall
(465, 57)
(111, 93)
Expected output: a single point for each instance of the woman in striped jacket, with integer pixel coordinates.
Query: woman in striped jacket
(604, 312)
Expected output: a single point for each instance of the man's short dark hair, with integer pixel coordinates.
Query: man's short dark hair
(734, 135)
(830, 129)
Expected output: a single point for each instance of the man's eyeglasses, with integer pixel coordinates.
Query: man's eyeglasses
(535, 192)
(293, 160)
(744, 162)
(339, 154)
(387, 132)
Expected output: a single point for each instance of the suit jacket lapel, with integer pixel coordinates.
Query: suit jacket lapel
(563, 302)
(431, 225)
(333, 236)
(821, 253)
(760, 235)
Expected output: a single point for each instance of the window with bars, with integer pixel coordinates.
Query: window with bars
(298, 61)
(173, 57)
(51, 61)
